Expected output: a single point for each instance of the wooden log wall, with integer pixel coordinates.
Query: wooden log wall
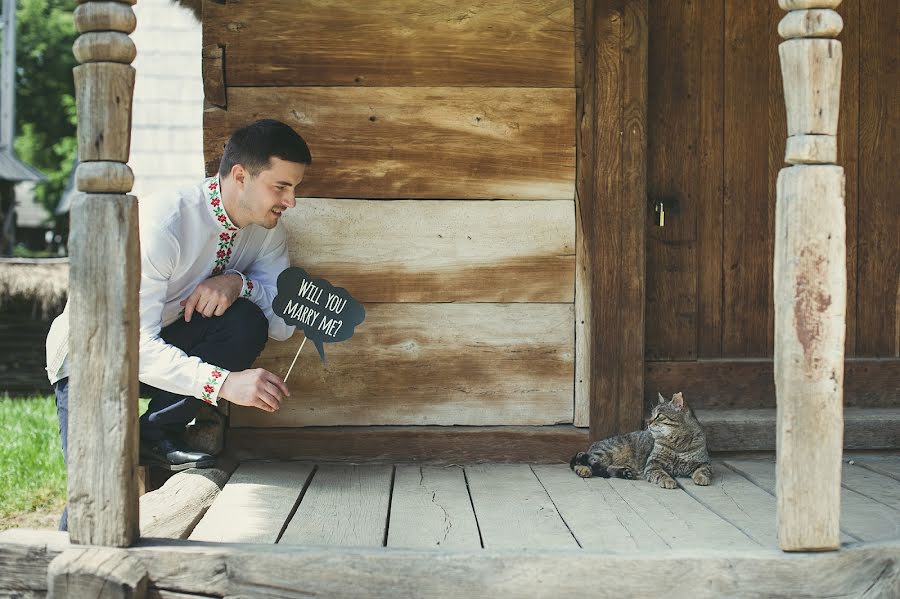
(716, 141)
(441, 194)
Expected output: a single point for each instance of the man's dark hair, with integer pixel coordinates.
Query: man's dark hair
(252, 147)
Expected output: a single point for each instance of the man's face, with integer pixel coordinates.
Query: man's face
(265, 196)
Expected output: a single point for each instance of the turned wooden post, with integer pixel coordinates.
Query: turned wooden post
(104, 281)
(810, 282)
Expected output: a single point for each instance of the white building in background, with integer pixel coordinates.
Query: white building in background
(167, 115)
(167, 119)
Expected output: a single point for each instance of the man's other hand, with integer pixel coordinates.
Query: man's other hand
(213, 296)
(256, 387)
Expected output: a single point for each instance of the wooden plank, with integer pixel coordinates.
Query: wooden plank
(848, 155)
(173, 510)
(432, 444)
(747, 228)
(586, 159)
(878, 307)
(679, 519)
(596, 514)
(100, 572)
(727, 384)
(430, 507)
(447, 251)
(470, 366)
(739, 502)
(103, 357)
(256, 503)
(860, 517)
(616, 36)
(882, 489)
(513, 509)
(344, 505)
(711, 154)
(754, 430)
(24, 557)
(675, 117)
(429, 43)
(290, 571)
(886, 465)
(418, 142)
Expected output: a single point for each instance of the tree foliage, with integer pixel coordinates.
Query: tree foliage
(45, 92)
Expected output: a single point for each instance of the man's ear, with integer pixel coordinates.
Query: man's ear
(239, 174)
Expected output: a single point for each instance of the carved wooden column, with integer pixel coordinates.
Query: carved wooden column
(103, 285)
(810, 282)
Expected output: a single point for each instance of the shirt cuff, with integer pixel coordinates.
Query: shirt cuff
(248, 285)
(214, 379)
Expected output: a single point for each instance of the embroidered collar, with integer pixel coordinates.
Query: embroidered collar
(212, 188)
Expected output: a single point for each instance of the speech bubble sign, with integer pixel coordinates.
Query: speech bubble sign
(327, 314)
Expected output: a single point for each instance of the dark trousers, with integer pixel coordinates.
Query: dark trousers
(231, 341)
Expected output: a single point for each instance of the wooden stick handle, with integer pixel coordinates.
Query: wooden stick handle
(295, 361)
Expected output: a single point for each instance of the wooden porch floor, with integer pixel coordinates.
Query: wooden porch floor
(523, 506)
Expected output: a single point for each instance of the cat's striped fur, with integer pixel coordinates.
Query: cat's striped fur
(673, 445)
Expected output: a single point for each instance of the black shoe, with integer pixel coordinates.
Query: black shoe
(173, 455)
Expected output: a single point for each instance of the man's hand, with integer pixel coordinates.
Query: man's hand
(256, 388)
(213, 296)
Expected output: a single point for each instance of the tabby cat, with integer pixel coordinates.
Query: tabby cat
(672, 445)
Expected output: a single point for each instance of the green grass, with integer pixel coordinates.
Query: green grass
(32, 472)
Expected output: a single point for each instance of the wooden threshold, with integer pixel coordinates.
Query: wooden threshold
(868, 382)
(754, 430)
(285, 571)
(432, 444)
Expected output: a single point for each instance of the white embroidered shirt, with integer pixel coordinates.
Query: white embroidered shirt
(187, 237)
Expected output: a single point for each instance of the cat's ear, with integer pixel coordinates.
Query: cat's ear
(678, 401)
(661, 398)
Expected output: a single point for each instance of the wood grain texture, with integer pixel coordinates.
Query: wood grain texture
(376, 573)
(103, 96)
(344, 505)
(848, 154)
(739, 502)
(437, 251)
(861, 517)
(514, 510)
(256, 503)
(710, 205)
(430, 507)
(103, 355)
(754, 430)
(418, 142)
(868, 383)
(429, 444)
(596, 513)
(810, 307)
(99, 572)
(611, 216)
(678, 518)
(746, 214)
(876, 487)
(878, 306)
(674, 114)
(173, 510)
(502, 44)
(214, 90)
(24, 557)
(472, 364)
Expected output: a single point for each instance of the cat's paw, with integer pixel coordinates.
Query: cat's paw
(621, 472)
(583, 471)
(701, 477)
(667, 482)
